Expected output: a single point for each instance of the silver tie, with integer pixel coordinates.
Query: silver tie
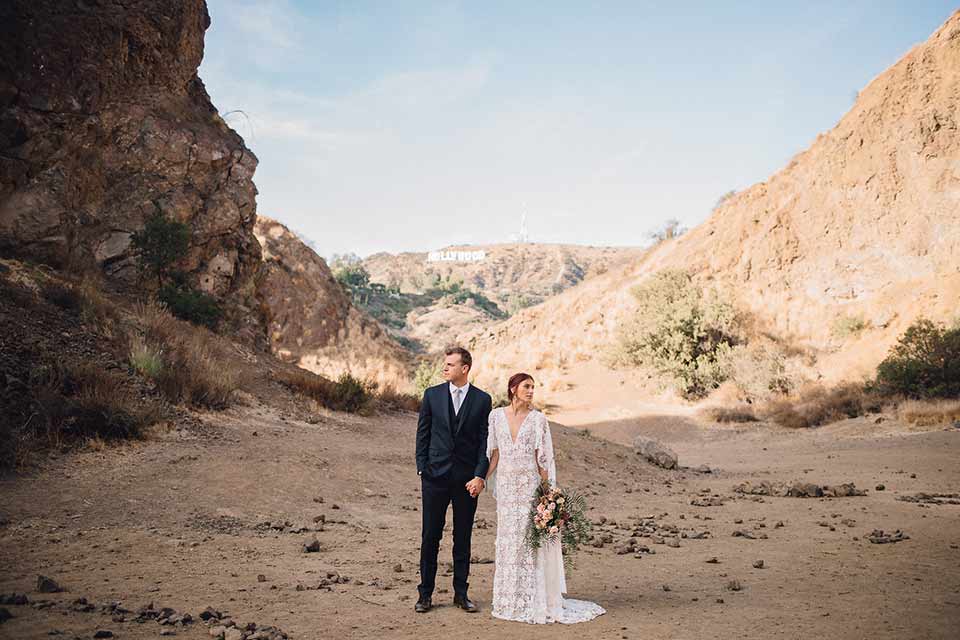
(456, 400)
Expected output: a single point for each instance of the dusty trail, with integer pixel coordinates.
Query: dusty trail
(180, 521)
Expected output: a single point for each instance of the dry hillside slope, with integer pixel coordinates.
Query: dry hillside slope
(530, 269)
(865, 223)
(311, 321)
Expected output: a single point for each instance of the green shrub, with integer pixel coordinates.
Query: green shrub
(347, 393)
(161, 243)
(350, 394)
(353, 277)
(427, 375)
(191, 305)
(925, 363)
(145, 359)
(680, 333)
(759, 370)
(63, 296)
(846, 326)
(193, 362)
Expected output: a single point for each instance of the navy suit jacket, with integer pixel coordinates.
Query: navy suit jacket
(453, 446)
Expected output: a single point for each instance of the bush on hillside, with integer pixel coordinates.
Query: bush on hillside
(848, 326)
(926, 413)
(191, 305)
(925, 363)
(760, 371)
(817, 405)
(347, 393)
(680, 333)
(670, 230)
(186, 362)
(161, 243)
(69, 404)
(427, 374)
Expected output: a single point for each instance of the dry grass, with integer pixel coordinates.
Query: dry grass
(391, 399)
(737, 413)
(347, 393)
(927, 413)
(187, 363)
(77, 403)
(817, 405)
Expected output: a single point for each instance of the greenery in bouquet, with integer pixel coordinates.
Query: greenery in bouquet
(558, 515)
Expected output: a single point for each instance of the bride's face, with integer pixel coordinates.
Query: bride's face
(524, 390)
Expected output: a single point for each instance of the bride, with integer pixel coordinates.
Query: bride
(528, 586)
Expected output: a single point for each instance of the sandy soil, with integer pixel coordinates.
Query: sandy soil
(178, 520)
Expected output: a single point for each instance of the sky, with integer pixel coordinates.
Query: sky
(410, 126)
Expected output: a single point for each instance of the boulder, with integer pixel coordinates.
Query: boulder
(655, 452)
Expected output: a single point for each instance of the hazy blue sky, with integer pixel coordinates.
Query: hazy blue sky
(398, 126)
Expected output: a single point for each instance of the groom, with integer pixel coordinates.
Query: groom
(452, 463)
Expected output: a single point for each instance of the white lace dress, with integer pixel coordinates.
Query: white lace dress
(527, 587)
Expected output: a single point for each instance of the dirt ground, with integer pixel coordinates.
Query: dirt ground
(181, 520)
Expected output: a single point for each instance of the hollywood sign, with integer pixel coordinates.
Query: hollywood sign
(456, 256)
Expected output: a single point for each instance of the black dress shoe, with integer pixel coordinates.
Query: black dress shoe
(465, 604)
(423, 605)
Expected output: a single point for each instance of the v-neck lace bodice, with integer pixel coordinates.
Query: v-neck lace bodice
(513, 440)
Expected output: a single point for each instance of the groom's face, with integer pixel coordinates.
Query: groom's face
(454, 370)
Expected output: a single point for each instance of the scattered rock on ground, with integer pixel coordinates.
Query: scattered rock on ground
(48, 585)
(879, 537)
(932, 498)
(655, 452)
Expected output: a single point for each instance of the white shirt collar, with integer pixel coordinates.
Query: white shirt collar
(464, 388)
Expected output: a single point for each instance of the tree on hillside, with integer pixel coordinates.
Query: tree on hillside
(724, 198)
(679, 332)
(670, 229)
(161, 243)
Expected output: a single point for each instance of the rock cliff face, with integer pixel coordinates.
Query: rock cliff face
(103, 122)
(864, 224)
(311, 321)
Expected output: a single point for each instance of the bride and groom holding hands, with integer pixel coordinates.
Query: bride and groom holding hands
(465, 447)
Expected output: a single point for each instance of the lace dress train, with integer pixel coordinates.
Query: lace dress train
(527, 586)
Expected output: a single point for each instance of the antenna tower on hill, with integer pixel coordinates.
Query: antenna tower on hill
(523, 237)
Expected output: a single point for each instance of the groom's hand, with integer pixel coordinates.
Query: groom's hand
(475, 486)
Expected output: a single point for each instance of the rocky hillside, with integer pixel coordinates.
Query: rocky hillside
(311, 321)
(865, 224)
(429, 303)
(509, 274)
(104, 122)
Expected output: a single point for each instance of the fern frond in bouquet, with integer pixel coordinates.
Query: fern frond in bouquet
(558, 515)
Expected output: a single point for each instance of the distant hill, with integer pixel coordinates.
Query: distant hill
(441, 294)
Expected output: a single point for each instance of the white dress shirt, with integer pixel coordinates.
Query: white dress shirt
(463, 396)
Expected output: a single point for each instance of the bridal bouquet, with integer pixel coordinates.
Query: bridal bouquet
(558, 514)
